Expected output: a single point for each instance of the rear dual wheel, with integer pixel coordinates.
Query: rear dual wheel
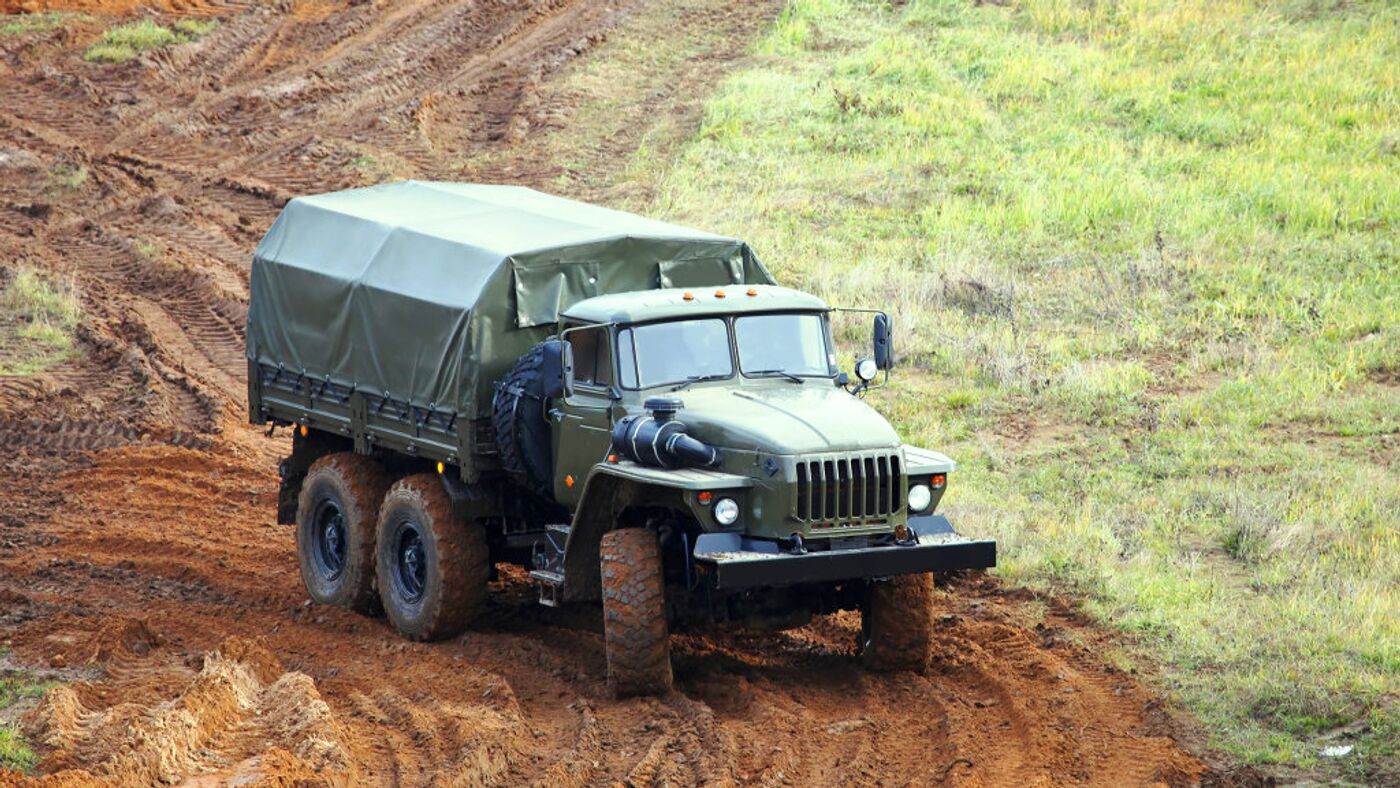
(336, 517)
(368, 546)
(432, 568)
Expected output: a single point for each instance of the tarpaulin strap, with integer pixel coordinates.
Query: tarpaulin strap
(516, 391)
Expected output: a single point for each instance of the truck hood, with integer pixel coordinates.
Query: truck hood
(811, 418)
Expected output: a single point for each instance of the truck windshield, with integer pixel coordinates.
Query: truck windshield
(674, 352)
(794, 344)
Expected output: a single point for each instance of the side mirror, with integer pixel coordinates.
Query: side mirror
(558, 369)
(884, 341)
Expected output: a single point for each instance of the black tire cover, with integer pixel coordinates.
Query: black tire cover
(518, 413)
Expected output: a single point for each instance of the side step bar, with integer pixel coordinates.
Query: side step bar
(549, 563)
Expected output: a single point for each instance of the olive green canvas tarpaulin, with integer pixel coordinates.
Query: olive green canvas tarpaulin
(430, 291)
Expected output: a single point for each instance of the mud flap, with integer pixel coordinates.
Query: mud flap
(292, 469)
(737, 562)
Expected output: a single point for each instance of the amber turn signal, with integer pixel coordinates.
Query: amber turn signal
(304, 430)
(706, 497)
(939, 480)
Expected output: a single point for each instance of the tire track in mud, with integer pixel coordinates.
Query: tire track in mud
(190, 152)
(137, 550)
(523, 698)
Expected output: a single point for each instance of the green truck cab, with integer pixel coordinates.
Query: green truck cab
(632, 411)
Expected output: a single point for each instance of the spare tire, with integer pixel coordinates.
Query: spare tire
(519, 413)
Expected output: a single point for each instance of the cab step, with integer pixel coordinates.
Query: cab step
(551, 584)
(549, 563)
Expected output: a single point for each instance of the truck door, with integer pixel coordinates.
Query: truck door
(584, 433)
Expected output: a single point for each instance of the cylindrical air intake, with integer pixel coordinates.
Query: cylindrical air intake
(659, 440)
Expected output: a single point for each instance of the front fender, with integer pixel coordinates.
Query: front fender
(612, 487)
(675, 479)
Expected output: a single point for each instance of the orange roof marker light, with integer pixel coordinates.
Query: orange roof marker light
(688, 296)
(719, 294)
(752, 291)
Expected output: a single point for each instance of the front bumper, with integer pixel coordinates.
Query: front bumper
(737, 562)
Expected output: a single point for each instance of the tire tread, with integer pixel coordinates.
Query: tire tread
(899, 624)
(457, 591)
(635, 629)
(361, 483)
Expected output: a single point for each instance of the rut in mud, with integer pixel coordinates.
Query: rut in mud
(138, 554)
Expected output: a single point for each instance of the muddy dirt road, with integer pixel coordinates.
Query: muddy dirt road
(139, 561)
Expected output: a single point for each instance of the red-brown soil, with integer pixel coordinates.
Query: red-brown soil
(139, 559)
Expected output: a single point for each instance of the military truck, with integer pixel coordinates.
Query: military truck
(634, 412)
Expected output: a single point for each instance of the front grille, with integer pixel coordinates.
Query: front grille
(849, 487)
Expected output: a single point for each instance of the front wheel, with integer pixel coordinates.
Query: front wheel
(635, 631)
(432, 568)
(897, 623)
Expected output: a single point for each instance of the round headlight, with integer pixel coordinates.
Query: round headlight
(866, 369)
(726, 511)
(920, 496)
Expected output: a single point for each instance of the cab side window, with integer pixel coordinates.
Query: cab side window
(592, 361)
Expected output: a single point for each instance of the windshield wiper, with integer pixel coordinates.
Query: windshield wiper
(699, 379)
(776, 371)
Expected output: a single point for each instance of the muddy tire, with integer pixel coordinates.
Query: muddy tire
(897, 623)
(337, 513)
(634, 613)
(432, 568)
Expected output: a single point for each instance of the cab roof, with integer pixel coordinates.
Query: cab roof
(678, 302)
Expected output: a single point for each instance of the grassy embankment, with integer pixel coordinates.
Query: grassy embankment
(17, 691)
(37, 321)
(1143, 256)
(126, 41)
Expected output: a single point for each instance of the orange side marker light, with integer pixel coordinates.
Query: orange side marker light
(569, 481)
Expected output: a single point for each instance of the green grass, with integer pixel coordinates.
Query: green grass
(19, 24)
(65, 179)
(37, 321)
(1142, 256)
(125, 42)
(15, 752)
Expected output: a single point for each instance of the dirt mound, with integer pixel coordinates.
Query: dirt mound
(237, 703)
(111, 7)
